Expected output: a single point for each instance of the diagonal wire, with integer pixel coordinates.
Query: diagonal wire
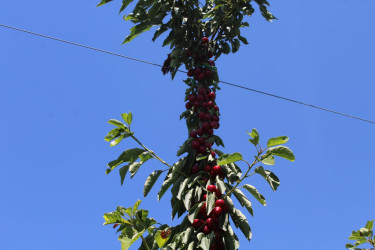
(158, 65)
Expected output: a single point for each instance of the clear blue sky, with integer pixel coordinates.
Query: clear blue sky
(55, 100)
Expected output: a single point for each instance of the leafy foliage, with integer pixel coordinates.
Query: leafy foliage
(361, 236)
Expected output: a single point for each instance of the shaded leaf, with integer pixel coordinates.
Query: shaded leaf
(129, 238)
(103, 2)
(150, 181)
(256, 194)
(270, 177)
(244, 201)
(125, 3)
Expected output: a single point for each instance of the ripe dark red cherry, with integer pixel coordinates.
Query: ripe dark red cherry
(211, 188)
(201, 115)
(218, 193)
(196, 104)
(190, 73)
(210, 132)
(204, 197)
(202, 210)
(213, 124)
(207, 117)
(205, 126)
(212, 95)
(208, 145)
(193, 133)
(216, 212)
(210, 222)
(207, 168)
(216, 169)
(208, 74)
(201, 140)
(220, 203)
(201, 77)
(216, 108)
(195, 169)
(188, 105)
(206, 230)
(195, 144)
(212, 63)
(202, 91)
(199, 97)
(200, 131)
(213, 154)
(205, 40)
(191, 98)
(211, 104)
(202, 149)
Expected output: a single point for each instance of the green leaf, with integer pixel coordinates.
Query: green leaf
(205, 243)
(370, 224)
(136, 205)
(171, 177)
(123, 171)
(255, 137)
(130, 155)
(210, 202)
(256, 194)
(129, 238)
(188, 232)
(159, 240)
(238, 218)
(243, 40)
(231, 239)
(281, 151)
(118, 124)
(150, 181)
(113, 134)
(277, 141)
(113, 217)
(182, 188)
(125, 3)
(268, 160)
(270, 177)
(116, 141)
(187, 199)
(244, 201)
(134, 167)
(229, 158)
(127, 117)
(219, 141)
(137, 30)
(103, 2)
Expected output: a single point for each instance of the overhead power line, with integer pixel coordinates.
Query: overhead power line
(158, 65)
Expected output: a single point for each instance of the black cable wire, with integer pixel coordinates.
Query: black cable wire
(158, 65)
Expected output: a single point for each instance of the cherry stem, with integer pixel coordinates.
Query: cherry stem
(246, 174)
(151, 152)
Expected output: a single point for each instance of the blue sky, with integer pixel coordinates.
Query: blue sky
(55, 100)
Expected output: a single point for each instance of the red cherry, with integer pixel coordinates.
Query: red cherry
(205, 126)
(216, 169)
(204, 197)
(202, 210)
(211, 104)
(210, 222)
(208, 74)
(200, 97)
(206, 230)
(217, 125)
(205, 40)
(204, 105)
(210, 132)
(195, 144)
(188, 105)
(205, 179)
(115, 225)
(200, 131)
(220, 203)
(213, 124)
(202, 149)
(201, 77)
(201, 115)
(193, 133)
(207, 168)
(196, 223)
(218, 235)
(196, 104)
(216, 212)
(216, 108)
(222, 175)
(213, 154)
(214, 246)
(211, 188)
(191, 98)
(215, 118)
(209, 55)
(198, 71)
(212, 63)
(202, 91)
(207, 117)
(188, 54)
(218, 193)
(195, 169)
(190, 73)
(208, 145)
(201, 140)
(212, 95)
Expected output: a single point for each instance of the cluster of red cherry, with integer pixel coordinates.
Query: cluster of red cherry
(202, 103)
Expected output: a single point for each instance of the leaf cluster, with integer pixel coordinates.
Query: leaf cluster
(361, 236)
